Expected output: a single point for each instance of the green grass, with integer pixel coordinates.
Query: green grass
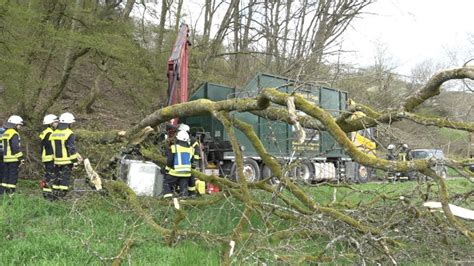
(92, 229)
(35, 231)
(453, 134)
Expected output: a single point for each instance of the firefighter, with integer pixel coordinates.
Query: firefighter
(65, 154)
(169, 139)
(391, 156)
(50, 122)
(171, 131)
(2, 166)
(404, 155)
(194, 143)
(178, 165)
(391, 153)
(12, 155)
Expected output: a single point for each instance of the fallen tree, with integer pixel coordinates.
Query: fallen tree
(289, 201)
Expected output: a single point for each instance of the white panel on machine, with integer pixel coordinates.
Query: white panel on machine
(144, 178)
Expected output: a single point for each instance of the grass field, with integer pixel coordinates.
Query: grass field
(91, 229)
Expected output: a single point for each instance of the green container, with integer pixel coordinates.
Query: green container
(277, 137)
(208, 123)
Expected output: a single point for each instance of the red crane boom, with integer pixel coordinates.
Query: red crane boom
(178, 70)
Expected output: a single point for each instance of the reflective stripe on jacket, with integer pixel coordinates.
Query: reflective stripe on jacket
(11, 146)
(46, 145)
(64, 150)
(402, 156)
(197, 150)
(1, 144)
(181, 160)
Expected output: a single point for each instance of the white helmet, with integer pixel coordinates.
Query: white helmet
(182, 135)
(391, 147)
(15, 119)
(49, 119)
(66, 118)
(183, 127)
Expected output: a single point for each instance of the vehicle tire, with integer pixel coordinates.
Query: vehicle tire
(362, 174)
(304, 172)
(251, 170)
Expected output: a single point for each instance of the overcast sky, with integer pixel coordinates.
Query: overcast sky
(410, 31)
(413, 31)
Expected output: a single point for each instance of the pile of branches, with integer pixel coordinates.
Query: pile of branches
(290, 220)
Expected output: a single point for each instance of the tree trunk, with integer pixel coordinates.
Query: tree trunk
(161, 27)
(237, 22)
(72, 54)
(128, 9)
(221, 32)
(178, 15)
(208, 12)
(86, 105)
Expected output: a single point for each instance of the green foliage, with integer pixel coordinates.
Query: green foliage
(37, 36)
(453, 134)
(92, 229)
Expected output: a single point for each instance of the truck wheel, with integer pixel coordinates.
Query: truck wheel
(363, 174)
(251, 170)
(304, 172)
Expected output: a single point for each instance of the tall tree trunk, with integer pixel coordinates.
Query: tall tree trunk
(208, 15)
(161, 28)
(34, 80)
(276, 35)
(86, 104)
(222, 31)
(237, 22)
(245, 38)
(128, 9)
(178, 15)
(72, 54)
(320, 36)
(268, 27)
(285, 34)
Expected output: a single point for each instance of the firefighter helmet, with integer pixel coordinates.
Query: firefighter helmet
(49, 119)
(15, 119)
(182, 135)
(67, 118)
(183, 127)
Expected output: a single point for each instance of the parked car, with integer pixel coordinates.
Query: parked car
(440, 167)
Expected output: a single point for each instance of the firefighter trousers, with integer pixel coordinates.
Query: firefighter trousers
(192, 185)
(2, 174)
(49, 178)
(63, 180)
(171, 182)
(10, 177)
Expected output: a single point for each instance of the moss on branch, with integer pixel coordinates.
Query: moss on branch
(198, 107)
(340, 136)
(432, 87)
